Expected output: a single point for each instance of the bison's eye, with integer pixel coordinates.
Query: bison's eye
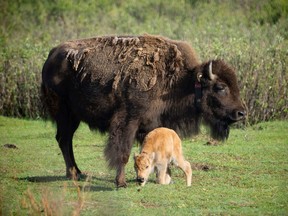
(220, 88)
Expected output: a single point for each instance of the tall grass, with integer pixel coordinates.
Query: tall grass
(51, 204)
(250, 35)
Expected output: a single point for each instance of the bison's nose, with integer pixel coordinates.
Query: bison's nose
(140, 180)
(240, 115)
(237, 115)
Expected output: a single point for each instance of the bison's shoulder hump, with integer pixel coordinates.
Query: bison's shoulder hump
(138, 61)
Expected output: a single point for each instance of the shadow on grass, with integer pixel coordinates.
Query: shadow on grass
(43, 179)
(47, 179)
(92, 186)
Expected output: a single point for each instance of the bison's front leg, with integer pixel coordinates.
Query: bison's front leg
(120, 179)
(121, 137)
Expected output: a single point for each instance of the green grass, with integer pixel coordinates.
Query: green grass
(247, 175)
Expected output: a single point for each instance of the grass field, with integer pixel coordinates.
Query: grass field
(247, 175)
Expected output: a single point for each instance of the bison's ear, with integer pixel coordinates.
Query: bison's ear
(199, 76)
(206, 74)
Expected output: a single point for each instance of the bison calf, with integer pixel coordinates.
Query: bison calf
(161, 147)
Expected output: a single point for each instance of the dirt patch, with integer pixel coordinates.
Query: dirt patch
(146, 204)
(212, 142)
(11, 146)
(202, 166)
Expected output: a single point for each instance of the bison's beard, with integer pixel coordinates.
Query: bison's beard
(219, 130)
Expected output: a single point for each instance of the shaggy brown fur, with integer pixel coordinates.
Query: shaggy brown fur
(128, 86)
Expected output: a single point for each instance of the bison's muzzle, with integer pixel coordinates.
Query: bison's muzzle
(237, 115)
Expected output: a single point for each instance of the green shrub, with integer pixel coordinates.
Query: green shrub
(250, 35)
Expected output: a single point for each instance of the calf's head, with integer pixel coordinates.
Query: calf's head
(143, 167)
(220, 103)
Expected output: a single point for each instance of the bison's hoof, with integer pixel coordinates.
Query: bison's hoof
(121, 184)
(74, 176)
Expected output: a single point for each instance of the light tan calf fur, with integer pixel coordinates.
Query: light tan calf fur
(161, 147)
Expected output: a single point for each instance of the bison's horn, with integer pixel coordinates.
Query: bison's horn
(211, 75)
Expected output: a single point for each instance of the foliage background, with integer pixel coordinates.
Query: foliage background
(251, 35)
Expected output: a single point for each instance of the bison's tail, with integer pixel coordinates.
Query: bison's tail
(50, 102)
(44, 110)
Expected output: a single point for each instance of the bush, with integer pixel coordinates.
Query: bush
(250, 35)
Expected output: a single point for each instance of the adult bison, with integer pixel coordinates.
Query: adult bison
(129, 85)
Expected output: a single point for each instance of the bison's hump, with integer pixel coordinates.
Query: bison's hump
(137, 61)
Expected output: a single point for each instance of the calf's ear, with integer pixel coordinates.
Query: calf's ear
(136, 155)
(152, 156)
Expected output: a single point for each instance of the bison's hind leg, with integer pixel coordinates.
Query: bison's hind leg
(67, 124)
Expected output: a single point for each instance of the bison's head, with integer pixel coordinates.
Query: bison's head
(220, 103)
(143, 167)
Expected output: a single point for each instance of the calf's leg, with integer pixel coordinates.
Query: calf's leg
(186, 167)
(167, 179)
(162, 176)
